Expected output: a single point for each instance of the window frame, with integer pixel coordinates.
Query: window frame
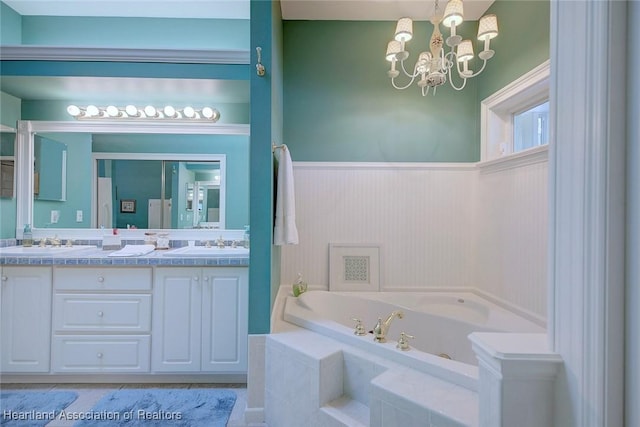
(497, 112)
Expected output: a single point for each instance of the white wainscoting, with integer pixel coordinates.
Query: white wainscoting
(420, 215)
(512, 234)
(438, 225)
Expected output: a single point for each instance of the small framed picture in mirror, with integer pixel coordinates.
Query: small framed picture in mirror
(127, 206)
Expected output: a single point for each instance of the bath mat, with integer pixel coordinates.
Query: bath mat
(162, 408)
(33, 408)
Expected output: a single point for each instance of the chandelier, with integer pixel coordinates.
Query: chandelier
(149, 112)
(434, 67)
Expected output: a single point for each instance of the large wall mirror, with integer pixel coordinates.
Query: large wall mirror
(135, 176)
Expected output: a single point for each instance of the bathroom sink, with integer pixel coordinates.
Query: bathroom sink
(38, 251)
(203, 251)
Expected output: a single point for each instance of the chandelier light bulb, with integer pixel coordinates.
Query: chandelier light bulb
(393, 49)
(404, 30)
(488, 27)
(453, 13)
(74, 110)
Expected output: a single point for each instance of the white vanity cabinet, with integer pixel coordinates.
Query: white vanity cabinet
(101, 319)
(25, 313)
(200, 319)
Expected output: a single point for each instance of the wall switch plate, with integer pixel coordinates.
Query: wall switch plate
(78, 216)
(55, 216)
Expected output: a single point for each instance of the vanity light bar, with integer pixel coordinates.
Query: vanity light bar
(91, 112)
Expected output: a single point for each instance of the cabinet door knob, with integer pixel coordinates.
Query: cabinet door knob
(100, 279)
(5, 278)
(99, 355)
(205, 278)
(100, 314)
(196, 278)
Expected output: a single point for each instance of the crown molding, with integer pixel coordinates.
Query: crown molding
(57, 53)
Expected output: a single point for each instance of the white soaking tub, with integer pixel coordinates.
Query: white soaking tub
(439, 321)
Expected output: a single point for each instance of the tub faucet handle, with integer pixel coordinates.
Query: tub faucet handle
(359, 327)
(403, 342)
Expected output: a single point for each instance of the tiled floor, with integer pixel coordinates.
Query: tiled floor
(90, 394)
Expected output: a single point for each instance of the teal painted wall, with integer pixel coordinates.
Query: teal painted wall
(156, 33)
(523, 43)
(10, 26)
(263, 23)
(339, 104)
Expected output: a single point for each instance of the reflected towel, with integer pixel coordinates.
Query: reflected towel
(133, 250)
(285, 231)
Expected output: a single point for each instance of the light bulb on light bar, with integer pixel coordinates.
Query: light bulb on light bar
(92, 111)
(74, 110)
(149, 112)
(131, 110)
(113, 111)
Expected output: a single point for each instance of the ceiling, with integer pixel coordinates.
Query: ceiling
(194, 92)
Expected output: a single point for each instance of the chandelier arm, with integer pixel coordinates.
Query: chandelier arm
(412, 75)
(484, 64)
(393, 83)
(464, 82)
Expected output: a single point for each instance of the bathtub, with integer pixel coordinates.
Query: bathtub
(439, 321)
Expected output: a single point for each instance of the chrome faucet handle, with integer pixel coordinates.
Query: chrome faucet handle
(69, 243)
(360, 330)
(403, 342)
(206, 243)
(43, 242)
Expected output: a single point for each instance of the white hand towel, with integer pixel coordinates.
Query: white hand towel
(285, 231)
(133, 250)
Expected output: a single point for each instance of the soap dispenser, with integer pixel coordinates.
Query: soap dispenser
(27, 236)
(299, 286)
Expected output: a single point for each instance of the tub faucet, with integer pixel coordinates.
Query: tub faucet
(382, 327)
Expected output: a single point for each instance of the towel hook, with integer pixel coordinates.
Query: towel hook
(259, 67)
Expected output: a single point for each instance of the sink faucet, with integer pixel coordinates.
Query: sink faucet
(220, 243)
(382, 327)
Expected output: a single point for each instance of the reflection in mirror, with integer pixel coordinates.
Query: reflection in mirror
(7, 165)
(50, 169)
(131, 174)
(162, 191)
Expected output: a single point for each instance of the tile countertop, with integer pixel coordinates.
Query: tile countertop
(97, 256)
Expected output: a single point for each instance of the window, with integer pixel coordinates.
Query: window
(516, 118)
(531, 127)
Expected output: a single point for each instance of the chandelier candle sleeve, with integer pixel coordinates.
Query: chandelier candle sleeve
(435, 66)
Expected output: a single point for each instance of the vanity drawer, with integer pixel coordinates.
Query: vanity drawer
(99, 353)
(112, 279)
(102, 313)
